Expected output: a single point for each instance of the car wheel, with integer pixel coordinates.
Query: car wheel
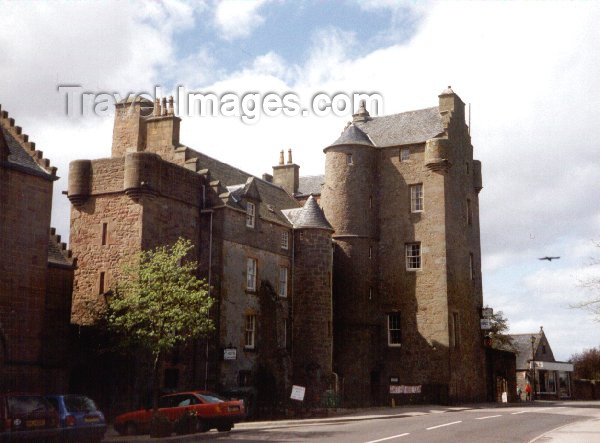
(225, 428)
(131, 428)
(200, 426)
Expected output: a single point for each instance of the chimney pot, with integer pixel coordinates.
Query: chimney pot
(281, 157)
(290, 156)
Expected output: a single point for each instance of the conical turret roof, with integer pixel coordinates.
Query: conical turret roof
(352, 135)
(311, 216)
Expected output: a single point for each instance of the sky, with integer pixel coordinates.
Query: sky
(529, 69)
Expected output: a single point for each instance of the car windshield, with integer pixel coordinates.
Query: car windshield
(79, 403)
(23, 404)
(212, 398)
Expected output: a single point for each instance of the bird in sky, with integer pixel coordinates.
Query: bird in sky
(548, 258)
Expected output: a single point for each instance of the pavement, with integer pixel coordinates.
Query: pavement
(579, 432)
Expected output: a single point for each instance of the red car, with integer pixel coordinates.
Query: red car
(198, 411)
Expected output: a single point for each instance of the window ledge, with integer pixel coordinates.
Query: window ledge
(251, 291)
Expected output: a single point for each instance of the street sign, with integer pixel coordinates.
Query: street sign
(405, 389)
(486, 323)
(298, 393)
(487, 312)
(229, 354)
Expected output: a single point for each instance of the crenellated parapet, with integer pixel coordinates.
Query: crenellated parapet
(59, 253)
(8, 125)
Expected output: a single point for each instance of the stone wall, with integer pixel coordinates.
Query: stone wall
(25, 204)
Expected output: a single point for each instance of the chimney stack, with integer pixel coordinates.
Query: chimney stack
(287, 175)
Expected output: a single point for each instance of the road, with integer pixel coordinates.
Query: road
(521, 423)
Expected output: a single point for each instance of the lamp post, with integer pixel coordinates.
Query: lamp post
(533, 367)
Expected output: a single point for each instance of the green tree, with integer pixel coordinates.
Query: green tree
(498, 331)
(158, 304)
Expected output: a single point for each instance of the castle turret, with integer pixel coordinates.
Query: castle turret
(312, 309)
(129, 132)
(349, 201)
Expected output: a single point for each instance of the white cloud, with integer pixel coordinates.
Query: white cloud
(238, 18)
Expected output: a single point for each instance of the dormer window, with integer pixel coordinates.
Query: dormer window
(250, 215)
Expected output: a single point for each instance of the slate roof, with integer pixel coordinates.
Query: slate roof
(270, 198)
(58, 254)
(19, 158)
(353, 135)
(309, 216)
(522, 345)
(399, 129)
(310, 184)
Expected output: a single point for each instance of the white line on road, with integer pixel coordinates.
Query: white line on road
(389, 438)
(445, 424)
(520, 412)
(489, 416)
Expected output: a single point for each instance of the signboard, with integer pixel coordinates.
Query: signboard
(229, 354)
(486, 323)
(405, 389)
(487, 312)
(298, 393)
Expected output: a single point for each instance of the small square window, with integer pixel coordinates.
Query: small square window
(404, 154)
(349, 159)
(250, 214)
(250, 339)
(416, 198)
(285, 240)
(394, 331)
(251, 274)
(283, 281)
(413, 256)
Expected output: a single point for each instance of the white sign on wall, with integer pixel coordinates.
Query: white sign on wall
(298, 393)
(404, 389)
(229, 354)
(486, 323)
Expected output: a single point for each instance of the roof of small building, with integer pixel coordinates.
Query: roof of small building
(240, 186)
(310, 185)
(522, 345)
(310, 216)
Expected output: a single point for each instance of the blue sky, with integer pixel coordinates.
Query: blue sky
(528, 68)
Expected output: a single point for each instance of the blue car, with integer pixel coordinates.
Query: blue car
(79, 418)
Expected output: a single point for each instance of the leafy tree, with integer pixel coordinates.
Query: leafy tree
(586, 364)
(159, 303)
(498, 331)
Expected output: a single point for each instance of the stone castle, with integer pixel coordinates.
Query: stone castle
(364, 282)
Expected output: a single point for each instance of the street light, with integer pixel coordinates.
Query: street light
(533, 367)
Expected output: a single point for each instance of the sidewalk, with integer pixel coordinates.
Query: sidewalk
(580, 432)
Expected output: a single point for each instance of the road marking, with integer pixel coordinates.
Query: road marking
(389, 438)
(520, 412)
(489, 416)
(445, 424)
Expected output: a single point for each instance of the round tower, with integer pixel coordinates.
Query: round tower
(312, 304)
(349, 198)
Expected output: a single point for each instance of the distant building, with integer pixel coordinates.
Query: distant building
(377, 294)
(36, 270)
(552, 378)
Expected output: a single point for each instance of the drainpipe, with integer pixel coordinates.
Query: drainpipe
(210, 240)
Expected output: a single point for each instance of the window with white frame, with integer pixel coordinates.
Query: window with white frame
(413, 256)
(416, 198)
(250, 340)
(250, 214)
(285, 240)
(251, 274)
(349, 159)
(393, 327)
(283, 281)
(404, 154)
